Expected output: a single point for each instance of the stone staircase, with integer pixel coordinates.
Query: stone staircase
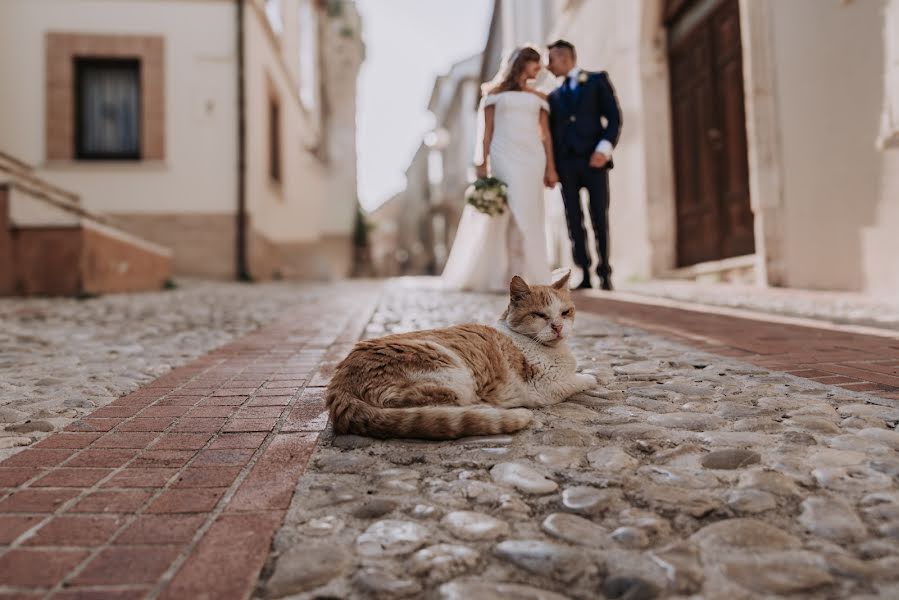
(50, 245)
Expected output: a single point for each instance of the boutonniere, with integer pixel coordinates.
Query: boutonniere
(583, 77)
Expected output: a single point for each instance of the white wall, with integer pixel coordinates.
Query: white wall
(343, 54)
(828, 57)
(880, 242)
(198, 173)
(889, 133)
(27, 211)
(292, 210)
(525, 21)
(461, 123)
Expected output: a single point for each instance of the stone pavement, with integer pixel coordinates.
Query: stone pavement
(836, 307)
(685, 474)
(833, 355)
(60, 358)
(175, 490)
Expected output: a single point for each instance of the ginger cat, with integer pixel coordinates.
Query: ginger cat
(464, 380)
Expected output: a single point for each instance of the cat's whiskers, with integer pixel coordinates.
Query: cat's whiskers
(535, 338)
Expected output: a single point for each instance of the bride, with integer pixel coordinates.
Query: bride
(517, 149)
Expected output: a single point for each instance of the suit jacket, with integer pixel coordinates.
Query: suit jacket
(576, 117)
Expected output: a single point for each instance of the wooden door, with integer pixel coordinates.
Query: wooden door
(714, 217)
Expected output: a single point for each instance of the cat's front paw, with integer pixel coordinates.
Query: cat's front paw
(585, 382)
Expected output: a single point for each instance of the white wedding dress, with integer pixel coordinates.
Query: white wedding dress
(488, 251)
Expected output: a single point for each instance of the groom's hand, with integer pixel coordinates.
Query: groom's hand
(598, 160)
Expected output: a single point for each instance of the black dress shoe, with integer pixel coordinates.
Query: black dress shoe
(585, 284)
(606, 284)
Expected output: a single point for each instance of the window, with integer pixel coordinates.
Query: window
(309, 55)
(274, 141)
(108, 109)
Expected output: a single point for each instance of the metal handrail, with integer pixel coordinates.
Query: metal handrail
(23, 178)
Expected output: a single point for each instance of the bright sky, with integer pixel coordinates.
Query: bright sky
(408, 43)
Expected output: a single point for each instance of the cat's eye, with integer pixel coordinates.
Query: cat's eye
(540, 316)
(567, 313)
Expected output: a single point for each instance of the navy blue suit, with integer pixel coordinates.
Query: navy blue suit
(579, 120)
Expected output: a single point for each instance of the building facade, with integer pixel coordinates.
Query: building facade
(759, 138)
(453, 103)
(402, 238)
(210, 127)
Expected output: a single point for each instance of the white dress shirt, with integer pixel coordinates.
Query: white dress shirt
(604, 146)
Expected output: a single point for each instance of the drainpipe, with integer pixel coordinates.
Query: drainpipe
(241, 241)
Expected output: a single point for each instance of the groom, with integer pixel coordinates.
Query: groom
(585, 121)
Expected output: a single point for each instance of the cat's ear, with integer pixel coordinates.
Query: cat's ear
(562, 282)
(518, 289)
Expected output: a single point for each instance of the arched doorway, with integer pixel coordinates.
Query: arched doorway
(708, 118)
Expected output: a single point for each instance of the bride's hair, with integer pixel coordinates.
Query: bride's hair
(506, 79)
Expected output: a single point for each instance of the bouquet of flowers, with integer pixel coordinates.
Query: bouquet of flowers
(488, 195)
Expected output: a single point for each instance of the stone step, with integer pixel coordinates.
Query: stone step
(50, 245)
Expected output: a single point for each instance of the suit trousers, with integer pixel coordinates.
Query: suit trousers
(576, 174)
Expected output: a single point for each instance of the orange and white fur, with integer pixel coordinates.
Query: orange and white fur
(464, 380)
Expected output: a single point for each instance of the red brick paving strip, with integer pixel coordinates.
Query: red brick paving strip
(176, 490)
(853, 361)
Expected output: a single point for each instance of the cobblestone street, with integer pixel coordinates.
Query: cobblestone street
(684, 474)
(186, 468)
(175, 489)
(61, 359)
(837, 307)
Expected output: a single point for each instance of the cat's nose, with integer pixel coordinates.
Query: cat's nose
(557, 327)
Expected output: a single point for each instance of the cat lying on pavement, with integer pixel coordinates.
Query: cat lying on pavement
(464, 380)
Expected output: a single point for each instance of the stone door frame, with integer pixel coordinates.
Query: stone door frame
(763, 142)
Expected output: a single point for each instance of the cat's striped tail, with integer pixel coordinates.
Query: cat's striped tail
(351, 415)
